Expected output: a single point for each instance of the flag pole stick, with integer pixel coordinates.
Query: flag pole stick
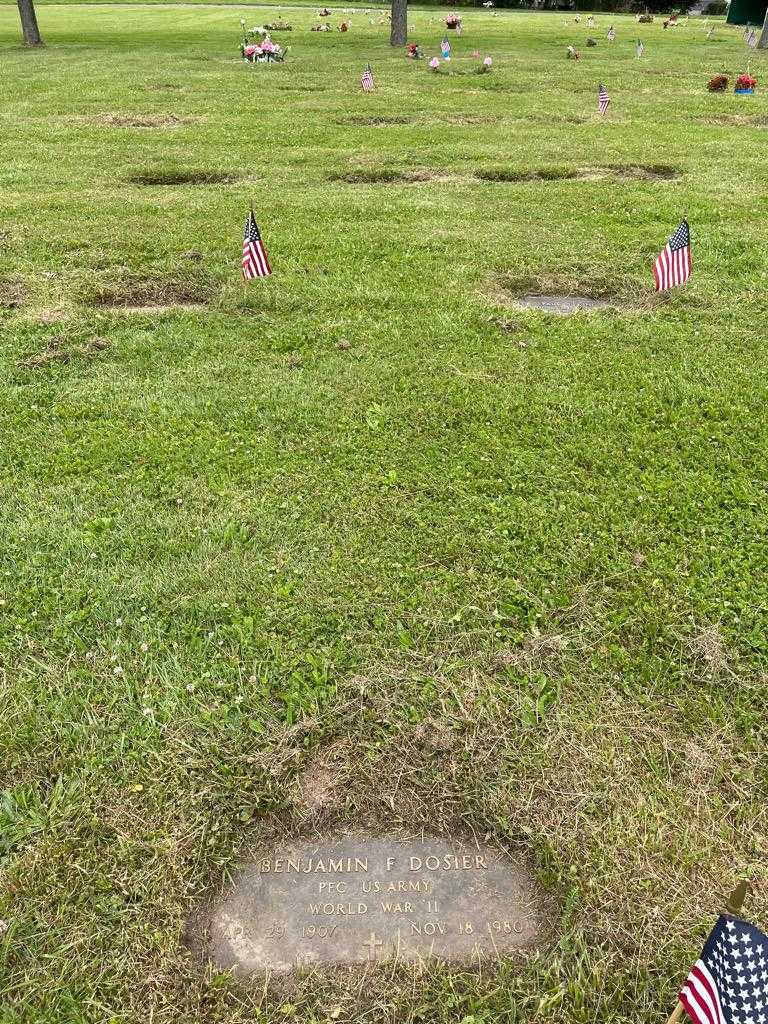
(733, 905)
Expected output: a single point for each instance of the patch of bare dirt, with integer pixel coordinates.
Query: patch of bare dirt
(320, 785)
(436, 736)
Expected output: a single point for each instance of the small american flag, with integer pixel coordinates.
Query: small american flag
(603, 99)
(611, 34)
(639, 48)
(367, 79)
(255, 262)
(673, 264)
(752, 39)
(729, 983)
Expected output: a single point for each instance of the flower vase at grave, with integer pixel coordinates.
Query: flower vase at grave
(744, 85)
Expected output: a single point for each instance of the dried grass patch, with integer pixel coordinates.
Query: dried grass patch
(302, 88)
(61, 350)
(503, 174)
(155, 294)
(361, 121)
(630, 172)
(144, 120)
(739, 120)
(12, 294)
(49, 315)
(385, 176)
(181, 177)
(707, 648)
(534, 653)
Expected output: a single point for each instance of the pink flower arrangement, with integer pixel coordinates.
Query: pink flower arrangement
(434, 63)
(487, 62)
(453, 21)
(264, 50)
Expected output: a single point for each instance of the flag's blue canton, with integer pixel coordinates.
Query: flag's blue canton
(681, 237)
(251, 230)
(729, 984)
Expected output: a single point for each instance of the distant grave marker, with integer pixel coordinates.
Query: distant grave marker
(561, 305)
(360, 901)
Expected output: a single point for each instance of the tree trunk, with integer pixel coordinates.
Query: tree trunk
(29, 23)
(762, 43)
(399, 34)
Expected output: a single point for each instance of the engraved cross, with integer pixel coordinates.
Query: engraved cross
(372, 943)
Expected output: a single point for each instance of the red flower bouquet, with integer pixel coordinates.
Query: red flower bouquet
(745, 83)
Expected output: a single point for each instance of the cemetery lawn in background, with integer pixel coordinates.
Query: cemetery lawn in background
(367, 542)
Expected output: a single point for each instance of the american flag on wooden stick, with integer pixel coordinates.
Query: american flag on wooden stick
(255, 262)
(639, 48)
(367, 79)
(729, 982)
(673, 264)
(603, 99)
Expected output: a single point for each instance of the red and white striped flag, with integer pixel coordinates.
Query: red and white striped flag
(729, 982)
(367, 79)
(673, 264)
(255, 262)
(603, 99)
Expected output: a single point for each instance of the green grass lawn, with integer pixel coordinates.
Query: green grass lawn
(493, 571)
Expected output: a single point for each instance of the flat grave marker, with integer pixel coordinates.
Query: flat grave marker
(361, 901)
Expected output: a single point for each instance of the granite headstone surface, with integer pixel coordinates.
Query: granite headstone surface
(367, 900)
